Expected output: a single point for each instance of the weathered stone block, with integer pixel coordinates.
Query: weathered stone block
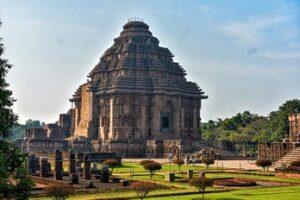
(104, 175)
(44, 167)
(58, 168)
(190, 174)
(74, 178)
(170, 176)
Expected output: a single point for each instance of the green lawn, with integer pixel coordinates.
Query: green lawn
(136, 168)
(182, 190)
(278, 193)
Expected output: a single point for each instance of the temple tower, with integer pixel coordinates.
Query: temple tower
(137, 93)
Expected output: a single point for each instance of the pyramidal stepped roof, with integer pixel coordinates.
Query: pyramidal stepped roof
(136, 63)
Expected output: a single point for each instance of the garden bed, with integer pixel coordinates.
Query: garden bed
(238, 182)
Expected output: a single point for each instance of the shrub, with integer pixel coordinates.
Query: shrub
(201, 183)
(263, 163)
(178, 162)
(296, 163)
(112, 163)
(59, 192)
(144, 162)
(152, 167)
(142, 189)
(208, 161)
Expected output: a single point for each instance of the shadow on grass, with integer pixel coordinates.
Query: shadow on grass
(217, 198)
(273, 193)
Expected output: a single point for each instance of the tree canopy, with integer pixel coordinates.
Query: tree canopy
(7, 117)
(18, 130)
(245, 129)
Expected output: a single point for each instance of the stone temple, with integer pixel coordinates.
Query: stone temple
(136, 102)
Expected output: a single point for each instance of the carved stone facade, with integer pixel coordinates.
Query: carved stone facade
(136, 101)
(274, 151)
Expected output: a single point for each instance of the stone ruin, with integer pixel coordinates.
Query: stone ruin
(204, 153)
(136, 103)
(41, 167)
(275, 151)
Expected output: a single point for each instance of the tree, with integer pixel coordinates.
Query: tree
(263, 163)
(152, 167)
(144, 162)
(18, 130)
(142, 189)
(179, 162)
(208, 161)
(14, 184)
(201, 183)
(111, 163)
(279, 119)
(59, 192)
(7, 117)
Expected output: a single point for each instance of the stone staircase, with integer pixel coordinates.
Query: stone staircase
(227, 155)
(293, 155)
(223, 154)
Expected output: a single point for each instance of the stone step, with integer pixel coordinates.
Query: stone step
(293, 155)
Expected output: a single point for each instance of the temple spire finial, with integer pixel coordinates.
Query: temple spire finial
(135, 19)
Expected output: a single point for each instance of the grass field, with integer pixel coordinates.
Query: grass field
(182, 190)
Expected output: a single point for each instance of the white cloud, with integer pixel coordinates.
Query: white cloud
(250, 31)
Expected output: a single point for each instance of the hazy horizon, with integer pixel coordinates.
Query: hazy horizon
(243, 55)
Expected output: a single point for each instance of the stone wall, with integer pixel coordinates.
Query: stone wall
(83, 111)
(274, 151)
(128, 148)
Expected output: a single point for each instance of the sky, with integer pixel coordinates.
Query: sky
(245, 55)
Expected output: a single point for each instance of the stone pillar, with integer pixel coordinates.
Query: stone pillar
(58, 167)
(44, 167)
(74, 178)
(86, 167)
(202, 174)
(104, 174)
(72, 163)
(49, 167)
(170, 176)
(78, 160)
(31, 164)
(190, 174)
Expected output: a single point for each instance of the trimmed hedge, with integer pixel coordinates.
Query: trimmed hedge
(208, 161)
(263, 163)
(152, 167)
(144, 162)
